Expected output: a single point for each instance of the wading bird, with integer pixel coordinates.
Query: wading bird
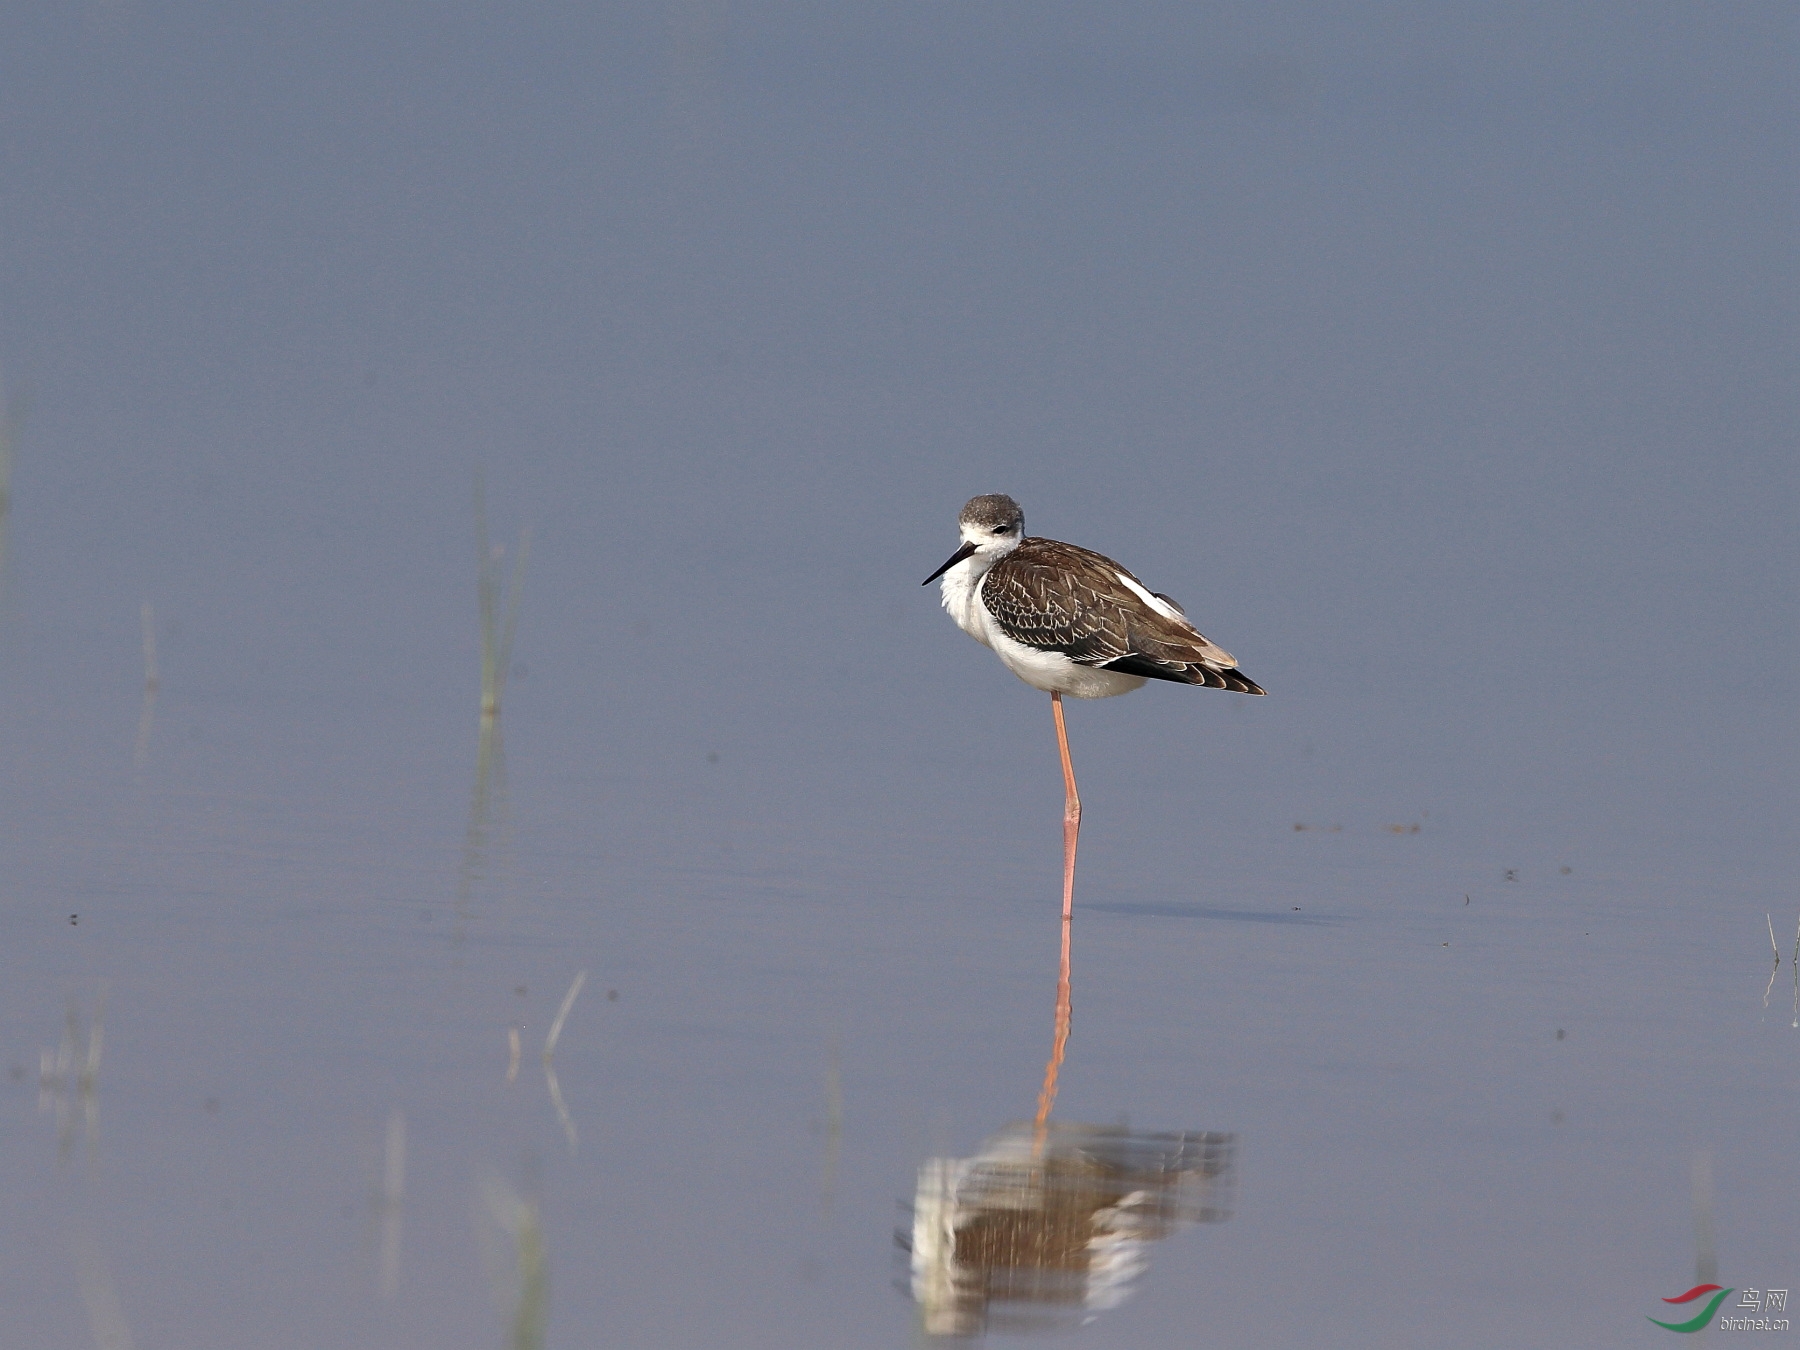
(1070, 621)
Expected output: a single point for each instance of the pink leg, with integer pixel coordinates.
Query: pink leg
(1059, 1043)
(1071, 809)
(1071, 833)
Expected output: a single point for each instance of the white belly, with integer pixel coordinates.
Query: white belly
(1055, 673)
(1052, 672)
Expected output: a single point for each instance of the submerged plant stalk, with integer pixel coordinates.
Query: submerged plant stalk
(527, 1284)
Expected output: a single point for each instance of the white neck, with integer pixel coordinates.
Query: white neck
(961, 586)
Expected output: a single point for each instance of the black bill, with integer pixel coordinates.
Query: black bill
(955, 558)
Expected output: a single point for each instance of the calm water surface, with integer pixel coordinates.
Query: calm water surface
(1467, 1079)
(1437, 358)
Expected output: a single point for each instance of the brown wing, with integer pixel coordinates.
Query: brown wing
(1057, 597)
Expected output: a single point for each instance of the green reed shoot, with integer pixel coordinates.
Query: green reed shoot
(499, 616)
(10, 416)
(527, 1285)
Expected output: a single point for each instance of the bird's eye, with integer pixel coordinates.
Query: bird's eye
(1001, 529)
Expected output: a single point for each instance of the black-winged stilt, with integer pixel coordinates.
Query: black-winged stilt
(1069, 621)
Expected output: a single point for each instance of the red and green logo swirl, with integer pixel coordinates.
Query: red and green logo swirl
(1719, 1295)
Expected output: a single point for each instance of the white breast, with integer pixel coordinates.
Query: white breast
(961, 592)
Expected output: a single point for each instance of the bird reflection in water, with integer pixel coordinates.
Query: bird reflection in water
(1044, 1227)
(1049, 1223)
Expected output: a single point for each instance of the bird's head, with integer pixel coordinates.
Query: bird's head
(991, 527)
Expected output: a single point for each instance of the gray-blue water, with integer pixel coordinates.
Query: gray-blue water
(1437, 358)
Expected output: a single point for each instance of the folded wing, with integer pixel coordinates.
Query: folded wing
(1057, 597)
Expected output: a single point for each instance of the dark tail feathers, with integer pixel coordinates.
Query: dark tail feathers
(1213, 677)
